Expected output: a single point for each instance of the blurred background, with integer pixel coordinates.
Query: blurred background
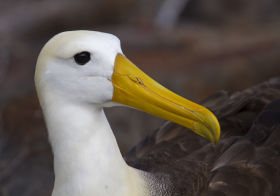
(194, 47)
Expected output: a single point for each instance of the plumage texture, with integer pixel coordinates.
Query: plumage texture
(255, 172)
(246, 160)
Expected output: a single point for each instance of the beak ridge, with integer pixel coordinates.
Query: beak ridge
(134, 88)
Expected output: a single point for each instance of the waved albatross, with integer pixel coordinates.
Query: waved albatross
(77, 74)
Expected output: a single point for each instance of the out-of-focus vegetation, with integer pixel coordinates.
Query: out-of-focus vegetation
(194, 47)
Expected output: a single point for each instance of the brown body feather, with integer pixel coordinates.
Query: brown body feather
(245, 162)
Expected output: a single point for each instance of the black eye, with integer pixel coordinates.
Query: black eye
(82, 58)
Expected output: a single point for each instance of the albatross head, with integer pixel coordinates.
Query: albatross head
(87, 67)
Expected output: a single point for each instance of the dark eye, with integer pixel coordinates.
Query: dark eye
(82, 58)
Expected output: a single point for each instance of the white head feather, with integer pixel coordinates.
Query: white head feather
(90, 83)
(87, 160)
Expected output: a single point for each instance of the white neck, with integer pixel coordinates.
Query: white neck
(87, 160)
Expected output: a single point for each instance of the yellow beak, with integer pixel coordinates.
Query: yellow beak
(134, 88)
